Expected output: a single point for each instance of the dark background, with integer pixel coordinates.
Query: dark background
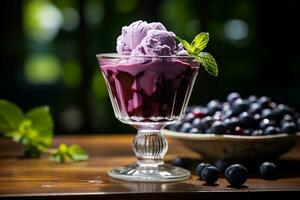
(48, 48)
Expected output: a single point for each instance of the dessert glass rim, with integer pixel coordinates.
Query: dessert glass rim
(115, 55)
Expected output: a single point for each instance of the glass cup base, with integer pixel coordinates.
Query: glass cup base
(158, 173)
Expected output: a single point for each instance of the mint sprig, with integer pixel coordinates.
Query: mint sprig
(195, 49)
(34, 130)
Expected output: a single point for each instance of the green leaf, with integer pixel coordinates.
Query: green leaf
(58, 158)
(186, 45)
(200, 42)
(63, 148)
(42, 125)
(11, 116)
(77, 153)
(208, 62)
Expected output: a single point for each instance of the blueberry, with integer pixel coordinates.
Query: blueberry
(197, 123)
(207, 122)
(248, 132)
(233, 96)
(194, 130)
(266, 122)
(199, 111)
(213, 106)
(200, 167)
(185, 128)
(285, 109)
(231, 123)
(182, 162)
(270, 130)
(208, 131)
(281, 110)
(264, 101)
(268, 170)
(189, 117)
(287, 118)
(257, 132)
(298, 121)
(239, 105)
(252, 99)
(210, 174)
(225, 106)
(227, 114)
(218, 127)
(257, 117)
(236, 175)
(267, 113)
(246, 120)
(239, 131)
(217, 115)
(255, 108)
(289, 127)
(222, 165)
(195, 109)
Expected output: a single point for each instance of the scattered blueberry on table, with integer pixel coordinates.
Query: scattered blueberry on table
(268, 170)
(200, 167)
(210, 174)
(236, 175)
(251, 116)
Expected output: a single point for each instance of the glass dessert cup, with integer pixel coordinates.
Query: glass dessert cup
(148, 93)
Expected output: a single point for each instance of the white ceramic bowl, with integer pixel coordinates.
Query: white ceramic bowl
(235, 147)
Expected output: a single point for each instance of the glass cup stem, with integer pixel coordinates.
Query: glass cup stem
(150, 146)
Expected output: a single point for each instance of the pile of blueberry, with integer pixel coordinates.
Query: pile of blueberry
(236, 174)
(250, 116)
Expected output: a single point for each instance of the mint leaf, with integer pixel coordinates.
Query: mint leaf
(63, 148)
(11, 116)
(186, 45)
(200, 42)
(58, 158)
(42, 124)
(61, 154)
(77, 153)
(35, 131)
(208, 62)
(195, 49)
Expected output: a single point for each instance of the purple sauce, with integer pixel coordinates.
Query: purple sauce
(153, 91)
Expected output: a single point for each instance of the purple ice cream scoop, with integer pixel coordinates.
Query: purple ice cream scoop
(133, 34)
(156, 43)
(152, 39)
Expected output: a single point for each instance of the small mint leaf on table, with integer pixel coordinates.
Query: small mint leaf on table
(60, 154)
(58, 158)
(77, 153)
(208, 62)
(11, 116)
(73, 152)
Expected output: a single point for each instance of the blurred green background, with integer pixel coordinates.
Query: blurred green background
(48, 50)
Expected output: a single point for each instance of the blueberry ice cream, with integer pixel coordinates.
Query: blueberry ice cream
(151, 39)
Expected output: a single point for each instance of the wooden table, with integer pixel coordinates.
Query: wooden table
(42, 179)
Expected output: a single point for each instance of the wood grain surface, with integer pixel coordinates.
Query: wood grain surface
(42, 179)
